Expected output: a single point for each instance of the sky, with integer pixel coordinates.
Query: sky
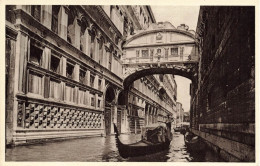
(179, 15)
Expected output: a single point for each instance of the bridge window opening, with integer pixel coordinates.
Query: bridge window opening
(174, 51)
(159, 51)
(145, 53)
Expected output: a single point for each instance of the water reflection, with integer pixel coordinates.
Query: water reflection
(103, 149)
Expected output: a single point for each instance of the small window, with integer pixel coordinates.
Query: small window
(92, 101)
(99, 84)
(181, 50)
(145, 53)
(92, 80)
(55, 64)
(36, 12)
(36, 55)
(174, 51)
(69, 70)
(55, 13)
(99, 103)
(82, 76)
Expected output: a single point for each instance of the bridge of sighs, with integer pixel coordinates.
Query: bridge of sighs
(161, 49)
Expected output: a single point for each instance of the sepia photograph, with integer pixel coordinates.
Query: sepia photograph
(129, 83)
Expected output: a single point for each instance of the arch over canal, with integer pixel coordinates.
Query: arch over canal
(161, 49)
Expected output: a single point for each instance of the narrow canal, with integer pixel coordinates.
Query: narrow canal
(102, 149)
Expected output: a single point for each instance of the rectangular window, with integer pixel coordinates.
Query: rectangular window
(92, 101)
(174, 51)
(55, 13)
(99, 84)
(181, 50)
(55, 64)
(55, 89)
(145, 53)
(36, 12)
(82, 76)
(35, 55)
(35, 83)
(99, 103)
(69, 70)
(92, 46)
(69, 93)
(92, 80)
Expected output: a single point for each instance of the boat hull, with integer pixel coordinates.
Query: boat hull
(140, 148)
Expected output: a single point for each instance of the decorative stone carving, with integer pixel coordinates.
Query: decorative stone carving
(57, 117)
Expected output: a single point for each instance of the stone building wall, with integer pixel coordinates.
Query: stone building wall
(223, 107)
(64, 71)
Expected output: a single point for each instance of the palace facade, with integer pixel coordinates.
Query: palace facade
(64, 73)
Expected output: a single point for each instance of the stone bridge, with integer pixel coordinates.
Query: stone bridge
(161, 49)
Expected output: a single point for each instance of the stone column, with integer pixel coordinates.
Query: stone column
(76, 73)
(85, 42)
(11, 104)
(96, 82)
(46, 16)
(63, 22)
(63, 66)
(46, 58)
(88, 77)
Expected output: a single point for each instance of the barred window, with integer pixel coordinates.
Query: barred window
(174, 51)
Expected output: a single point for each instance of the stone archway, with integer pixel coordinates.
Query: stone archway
(108, 112)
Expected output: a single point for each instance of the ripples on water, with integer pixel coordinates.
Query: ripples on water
(103, 149)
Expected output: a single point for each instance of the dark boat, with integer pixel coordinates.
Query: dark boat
(140, 148)
(193, 143)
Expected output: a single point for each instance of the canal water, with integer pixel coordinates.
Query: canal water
(103, 149)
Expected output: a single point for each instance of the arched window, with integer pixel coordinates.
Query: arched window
(101, 44)
(92, 45)
(71, 17)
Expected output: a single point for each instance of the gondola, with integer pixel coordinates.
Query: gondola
(140, 148)
(193, 143)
